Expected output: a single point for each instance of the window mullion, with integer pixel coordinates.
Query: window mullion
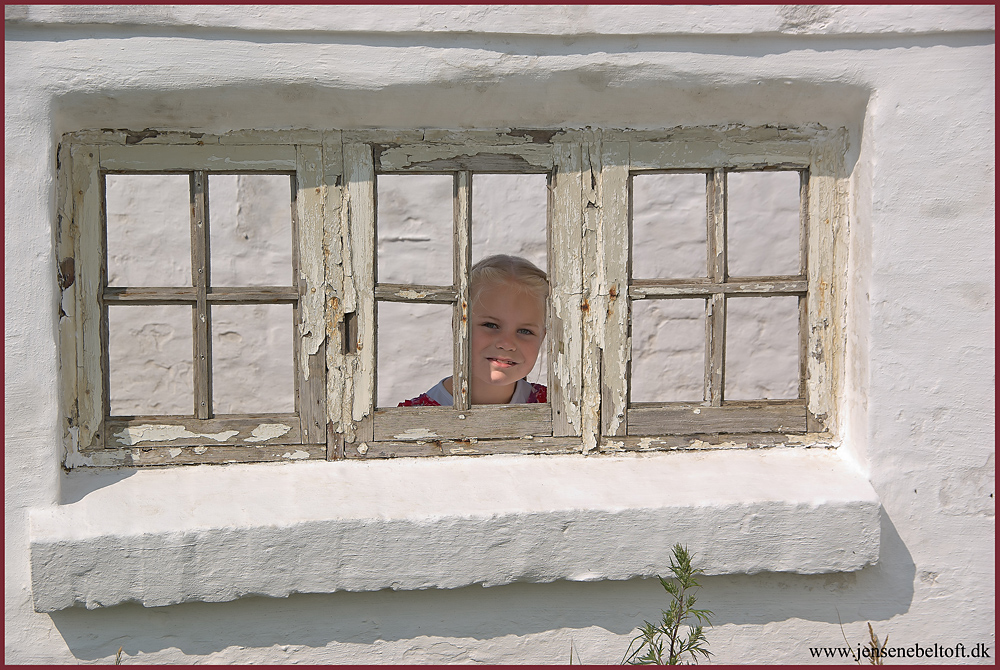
(567, 257)
(199, 278)
(715, 321)
(614, 310)
(90, 277)
(803, 270)
(461, 265)
(309, 335)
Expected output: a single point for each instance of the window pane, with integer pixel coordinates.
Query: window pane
(150, 355)
(149, 230)
(668, 350)
(250, 226)
(253, 366)
(415, 228)
(763, 223)
(414, 349)
(509, 216)
(762, 348)
(668, 226)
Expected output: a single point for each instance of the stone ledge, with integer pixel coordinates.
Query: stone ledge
(217, 533)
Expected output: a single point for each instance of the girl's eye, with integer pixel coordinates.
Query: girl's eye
(525, 331)
(490, 324)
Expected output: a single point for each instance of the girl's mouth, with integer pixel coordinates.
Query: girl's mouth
(502, 362)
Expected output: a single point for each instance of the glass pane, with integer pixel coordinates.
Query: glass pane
(668, 350)
(509, 216)
(763, 223)
(250, 226)
(668, 226)
(149, 229)
(414, 349)
(415, 228)
(253, 365)
(762, 348)
(150, 352)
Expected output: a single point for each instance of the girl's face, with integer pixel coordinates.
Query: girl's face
(508, 325)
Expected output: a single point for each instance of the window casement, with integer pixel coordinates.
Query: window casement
(196, 428)
(813, 158)
(371, 431)
(336, 294)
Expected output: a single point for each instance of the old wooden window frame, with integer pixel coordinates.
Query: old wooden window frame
(463, 428)
(817, 154)
(591, 291)
(201, 437)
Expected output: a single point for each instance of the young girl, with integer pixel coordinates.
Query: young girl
(507, 294)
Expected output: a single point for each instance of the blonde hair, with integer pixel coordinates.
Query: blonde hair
(501, 268)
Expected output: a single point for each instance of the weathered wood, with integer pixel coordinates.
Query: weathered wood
(732, 133)
(584, 296)
(419, 293)
(803, 302)
(495, 137)
(422, 157)
(309, 262)
(162, 158)
(696, 441)
(91, 274)
(485, 421)
(685, 418)
(461, 264)
(169, 295)
(752, 286)
(466, 447)
(150, 136)
(614, 310)
(720, 153)
(202, 315)
(359, 288)
(565, 339)
(251, 429)
(715, 306)
(826, 305)
(337, 332)
(187, 455)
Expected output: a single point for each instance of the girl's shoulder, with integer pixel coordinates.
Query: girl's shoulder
(538, 393)
(422, 400)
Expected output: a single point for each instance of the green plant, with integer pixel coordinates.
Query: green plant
(663, 643)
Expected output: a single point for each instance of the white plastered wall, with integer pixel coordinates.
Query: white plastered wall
(914, 86)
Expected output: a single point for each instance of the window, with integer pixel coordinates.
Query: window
(617, 300)
(711, 292)
(167, 287)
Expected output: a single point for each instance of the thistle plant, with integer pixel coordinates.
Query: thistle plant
(664, 643)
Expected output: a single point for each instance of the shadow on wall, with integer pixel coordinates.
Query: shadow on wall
(621, 96)
(875, 593)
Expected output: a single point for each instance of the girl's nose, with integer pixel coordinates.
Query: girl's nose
(505, 341)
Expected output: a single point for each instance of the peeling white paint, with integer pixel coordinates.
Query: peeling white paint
(149, 432)
(175, 452)
(268, 431)
(362, 448)
(645, 443)
(296, 455)
(415, 434)
(410, 293)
